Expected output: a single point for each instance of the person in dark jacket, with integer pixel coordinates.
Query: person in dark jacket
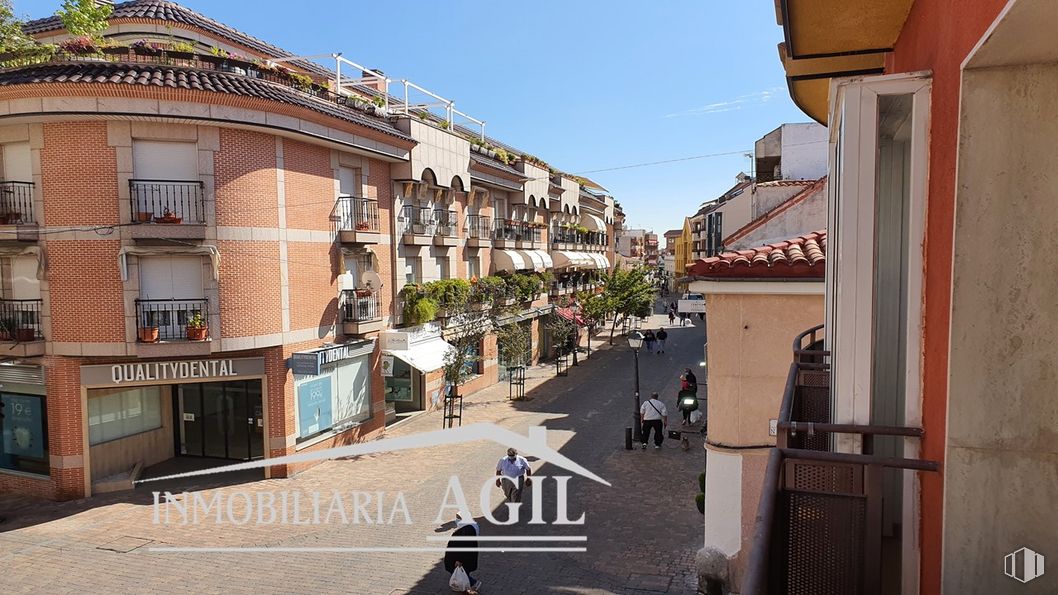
(467, 559)
(648, 340)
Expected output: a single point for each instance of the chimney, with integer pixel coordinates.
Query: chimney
(373, 81)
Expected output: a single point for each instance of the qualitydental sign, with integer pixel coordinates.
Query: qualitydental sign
(171, 371)
(210, 368)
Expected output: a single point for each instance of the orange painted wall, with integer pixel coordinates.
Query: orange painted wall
(937, 36)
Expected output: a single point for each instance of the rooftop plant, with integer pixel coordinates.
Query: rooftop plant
(418, 307)
(86, 18)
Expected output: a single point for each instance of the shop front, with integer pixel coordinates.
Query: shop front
(412, 364)
(151, 418)
(24, 426)
(332, 385)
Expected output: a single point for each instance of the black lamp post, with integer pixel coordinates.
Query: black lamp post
(574, 309)
(635, 341)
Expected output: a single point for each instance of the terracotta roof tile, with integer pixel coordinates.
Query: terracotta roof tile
(800, 257)
(171, 12)
(190, 78)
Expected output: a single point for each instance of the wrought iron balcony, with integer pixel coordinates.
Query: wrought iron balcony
(506, 232)
(16, 203)
(20, 321)
(172, 320)
(446, 224)
(361, 311)
(167, 209)
(819, 524)
(416, 225)
(356, 220)
(479, 231)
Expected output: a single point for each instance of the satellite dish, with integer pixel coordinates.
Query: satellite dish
(371, 279)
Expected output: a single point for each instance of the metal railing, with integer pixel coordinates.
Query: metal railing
(416, 220)
(479, 226)
(171, 317)
(445, 222)
(507, 229)
(16, 203)
(167, 201)
(361, 305)
(20, 320)
(353, 213)
(530, 233)
(819, 524)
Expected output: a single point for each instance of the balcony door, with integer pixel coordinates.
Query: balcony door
(879, 133)
(171, 292)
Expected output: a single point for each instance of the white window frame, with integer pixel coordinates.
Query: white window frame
(850, 272)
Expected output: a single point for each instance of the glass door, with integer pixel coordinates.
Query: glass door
(223, 420)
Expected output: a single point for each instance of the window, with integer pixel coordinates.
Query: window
(472, 362)
(442, 267)
(412, 269)
(473, 263)
(117, 413)
(347, 181)
(17, 163)
(25, 434)
(340, 395)
(171, 292)
(164, 160)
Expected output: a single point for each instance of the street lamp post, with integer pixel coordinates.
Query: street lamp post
(574, 308)
(635, 341)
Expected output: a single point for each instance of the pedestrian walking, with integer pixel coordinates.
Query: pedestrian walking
(672, 318)
(683, 318)
(654, 417)
(648, 339)
(662, 335)
(512, 475)
(462, 554)
(688, 381)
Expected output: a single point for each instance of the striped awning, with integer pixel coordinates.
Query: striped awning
(565, 259)
(592, 222)
(538, 260)
(509, 261)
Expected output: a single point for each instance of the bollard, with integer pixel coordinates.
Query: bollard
(628, 438)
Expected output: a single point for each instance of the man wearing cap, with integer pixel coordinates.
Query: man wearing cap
(512, 474)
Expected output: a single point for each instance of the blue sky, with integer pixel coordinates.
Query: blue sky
(585, 85)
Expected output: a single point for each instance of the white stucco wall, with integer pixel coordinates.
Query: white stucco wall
(804, 151)
(723, 501)
(804, 217)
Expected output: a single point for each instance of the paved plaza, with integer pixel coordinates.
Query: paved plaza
(642, 531)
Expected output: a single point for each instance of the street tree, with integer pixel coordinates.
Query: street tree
(627, 293)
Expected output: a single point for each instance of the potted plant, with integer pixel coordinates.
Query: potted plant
(148, 334)
(168, 217)
(144, 216)
(10, 218)
(180, 50)
(144, 48)
(80, 46)
(363, 292)
(361, 226)
(24, 334)
(196, 328)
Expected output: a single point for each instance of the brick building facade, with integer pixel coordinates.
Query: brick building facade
(179, 229)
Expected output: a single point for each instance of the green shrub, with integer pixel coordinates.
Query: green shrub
(449, 293)
(418, 307)
(701, 481)
(490, 289)
(700, 501)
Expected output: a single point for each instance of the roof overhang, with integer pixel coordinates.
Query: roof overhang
(823, 39)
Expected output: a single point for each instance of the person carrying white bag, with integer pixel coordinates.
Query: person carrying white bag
(461, 562)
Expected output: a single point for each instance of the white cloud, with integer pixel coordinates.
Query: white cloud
(750, 99)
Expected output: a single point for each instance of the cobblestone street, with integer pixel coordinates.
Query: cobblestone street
(642, 533)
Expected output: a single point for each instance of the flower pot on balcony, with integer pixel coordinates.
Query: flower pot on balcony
(197, 333)
(362, 226)
(144, 216)
(25, 334)
(363, 293)
(10, 218)
(148, 334)
(5, 335)
(171, 219)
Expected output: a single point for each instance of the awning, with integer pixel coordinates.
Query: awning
(539, 260)
(592, 222)
(565, 259)
(568, 314)
(425, 356)
(508, 261)
(599, 260)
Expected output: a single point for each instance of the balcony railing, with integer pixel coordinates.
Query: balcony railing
(169, 320)
(16, 203)
(353, 213)
(20, 320)
(360, 305)
(416, 220)
(445, 222)
(479, 227)
(167, 201)
(506, 229)
(819, 526)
